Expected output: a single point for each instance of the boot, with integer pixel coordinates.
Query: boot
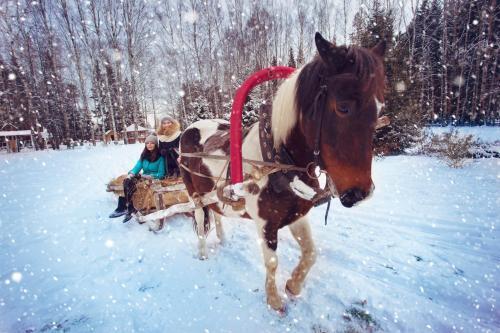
(121, 209)
(131, 210)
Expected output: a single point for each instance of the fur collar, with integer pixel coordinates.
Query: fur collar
(169, 138)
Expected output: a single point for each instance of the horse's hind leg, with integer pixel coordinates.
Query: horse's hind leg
(200, 217)
(268, 239)
(302, 234)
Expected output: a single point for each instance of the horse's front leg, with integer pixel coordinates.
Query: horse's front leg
(302, 233)
(218, 227)
(269, 241)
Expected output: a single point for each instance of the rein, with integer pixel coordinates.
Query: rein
(272, 167)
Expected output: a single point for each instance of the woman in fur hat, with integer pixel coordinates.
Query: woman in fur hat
(169, 135)
(152, 165)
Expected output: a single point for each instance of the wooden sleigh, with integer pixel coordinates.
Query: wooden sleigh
(154, 195)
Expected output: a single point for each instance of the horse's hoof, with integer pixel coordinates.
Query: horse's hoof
(277, 305)
(202, 257)
(282, 311)
(291, 296)
(292, 292)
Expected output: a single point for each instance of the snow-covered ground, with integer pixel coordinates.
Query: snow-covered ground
(423, 255)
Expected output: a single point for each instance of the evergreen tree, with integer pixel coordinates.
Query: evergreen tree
(291, 59)
(400, 104)
(300, 56)
(274, 83)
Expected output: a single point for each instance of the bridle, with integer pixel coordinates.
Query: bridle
(280, 180)
(318, 115)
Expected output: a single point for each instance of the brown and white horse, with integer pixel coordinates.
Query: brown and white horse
(352, 83)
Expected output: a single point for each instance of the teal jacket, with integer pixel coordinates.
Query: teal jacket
(154, 169)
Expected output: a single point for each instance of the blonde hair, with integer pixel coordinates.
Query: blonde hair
(176, 126)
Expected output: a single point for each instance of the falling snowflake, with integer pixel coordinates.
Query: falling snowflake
(16, 277)
(109, 243)
(181, 93)
(400, 86)
(475, 22)
(459, 81)
(12, 76)
(190, 17)
(116, 55)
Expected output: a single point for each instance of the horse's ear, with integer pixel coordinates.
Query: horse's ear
(333, 56)
(380, 48)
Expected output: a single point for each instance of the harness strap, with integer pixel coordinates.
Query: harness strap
(277, 166)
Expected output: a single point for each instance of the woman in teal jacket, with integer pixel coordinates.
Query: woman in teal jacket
(152, 165)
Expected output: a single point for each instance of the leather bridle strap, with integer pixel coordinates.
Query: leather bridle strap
(319, 102)
(317, 116)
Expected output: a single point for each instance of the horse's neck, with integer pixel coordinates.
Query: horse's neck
(295, 144)
(297, 147)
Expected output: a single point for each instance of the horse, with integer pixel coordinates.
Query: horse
(325, 112)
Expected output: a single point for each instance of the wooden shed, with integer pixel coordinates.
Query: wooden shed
(13, 140)
(141, 131)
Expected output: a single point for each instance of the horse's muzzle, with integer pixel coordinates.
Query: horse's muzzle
(350, 197)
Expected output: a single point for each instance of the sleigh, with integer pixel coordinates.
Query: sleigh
(153, 195)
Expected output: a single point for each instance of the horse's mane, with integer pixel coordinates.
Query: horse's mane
(284, 114)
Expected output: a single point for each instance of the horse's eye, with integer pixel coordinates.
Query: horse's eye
(343, 108)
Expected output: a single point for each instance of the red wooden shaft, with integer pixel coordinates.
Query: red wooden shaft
(270, 73)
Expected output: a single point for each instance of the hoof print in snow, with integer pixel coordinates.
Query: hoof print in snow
(360, 320)
(394, 271)
(458, 271)
(418, 258)
(64, 326)
(146, 288)
(317, 328)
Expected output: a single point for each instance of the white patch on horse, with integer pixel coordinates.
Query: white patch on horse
(215, 166)
(207, 128)
(333, 188)
(301, 189)
(379, 106)
(251, 147)
(285, 113)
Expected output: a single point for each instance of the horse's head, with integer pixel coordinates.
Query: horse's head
(340, 94)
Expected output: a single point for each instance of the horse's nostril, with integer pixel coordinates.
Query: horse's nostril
(352, 196)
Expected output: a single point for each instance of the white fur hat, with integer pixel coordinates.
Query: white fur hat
(167, 118)
(152, 138)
